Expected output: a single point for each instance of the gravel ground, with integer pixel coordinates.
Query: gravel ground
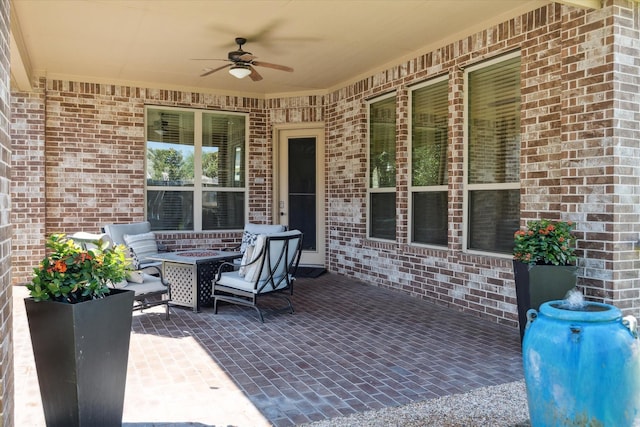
(497, 406)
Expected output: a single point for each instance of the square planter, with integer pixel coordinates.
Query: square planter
(540, 283)
(81, 353)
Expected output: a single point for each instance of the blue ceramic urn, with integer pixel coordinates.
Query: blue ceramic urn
(581, 366)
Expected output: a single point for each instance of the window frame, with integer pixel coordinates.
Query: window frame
(198, 187)
(412, 190)
(380, 190)
(468, 188)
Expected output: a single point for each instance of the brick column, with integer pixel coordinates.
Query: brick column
(6, 304)
(600, 152)
(28, 213)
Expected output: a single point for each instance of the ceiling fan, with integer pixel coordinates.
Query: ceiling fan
(242, 63)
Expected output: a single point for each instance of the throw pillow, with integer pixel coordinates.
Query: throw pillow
(135, 277)
(248, 239)
(135, 262)
(253, 270)
(143, 245)
(246, 259)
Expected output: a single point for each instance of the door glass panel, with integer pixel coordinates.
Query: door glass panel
(302, 189)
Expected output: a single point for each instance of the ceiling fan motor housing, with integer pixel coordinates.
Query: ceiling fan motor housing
(235, 56)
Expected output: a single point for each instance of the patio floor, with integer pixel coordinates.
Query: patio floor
(348, 348)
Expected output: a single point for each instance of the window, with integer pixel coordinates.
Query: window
(429, 139)
(195, 169)
(492, 191)
(382, 169)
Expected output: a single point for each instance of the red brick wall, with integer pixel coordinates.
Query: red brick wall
(579, 158)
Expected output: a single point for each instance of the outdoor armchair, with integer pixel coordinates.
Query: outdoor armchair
(140, 240)
(145, 278)
(267, 268)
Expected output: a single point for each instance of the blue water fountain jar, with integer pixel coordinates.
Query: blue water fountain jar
(582, 366)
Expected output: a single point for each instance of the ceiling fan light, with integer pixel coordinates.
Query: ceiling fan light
(239, 71)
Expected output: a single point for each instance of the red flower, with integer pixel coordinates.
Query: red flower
(60, 266)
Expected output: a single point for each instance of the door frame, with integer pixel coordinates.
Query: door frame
(301, 130)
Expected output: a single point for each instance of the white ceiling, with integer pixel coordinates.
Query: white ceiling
(153, 43)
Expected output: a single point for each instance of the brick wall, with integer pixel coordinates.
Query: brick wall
(28, 213)
(470, 282)
(600, 169)
(579, 157)
(6, 296)
(577, 163)
(92, 164)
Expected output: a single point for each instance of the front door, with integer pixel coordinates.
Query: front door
(299, 192)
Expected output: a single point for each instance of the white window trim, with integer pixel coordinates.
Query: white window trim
(368, 177)
(466, 187)
(197, 188)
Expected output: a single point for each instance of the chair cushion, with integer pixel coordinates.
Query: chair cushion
(117, 231)
(151, 284)
(251, 231)
(233, 279)
(87, 240)
(141, 247)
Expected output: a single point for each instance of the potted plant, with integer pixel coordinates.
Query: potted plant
(544, 264)
(80, 330)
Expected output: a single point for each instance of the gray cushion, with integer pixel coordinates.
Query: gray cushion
(117, 231)
(251, 231)
(150, 284)
(233, 280)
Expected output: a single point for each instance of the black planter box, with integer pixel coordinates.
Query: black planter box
(540, 283)
(81, 353)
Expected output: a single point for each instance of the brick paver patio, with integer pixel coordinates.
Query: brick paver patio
(348, 348)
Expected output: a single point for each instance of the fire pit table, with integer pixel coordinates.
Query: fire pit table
(190, 274)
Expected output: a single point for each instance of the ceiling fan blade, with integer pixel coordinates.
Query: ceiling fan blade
(208, 59)
(255, 76)
(214, 70)
(274, 66)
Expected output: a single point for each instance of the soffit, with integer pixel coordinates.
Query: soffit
(152, 43)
